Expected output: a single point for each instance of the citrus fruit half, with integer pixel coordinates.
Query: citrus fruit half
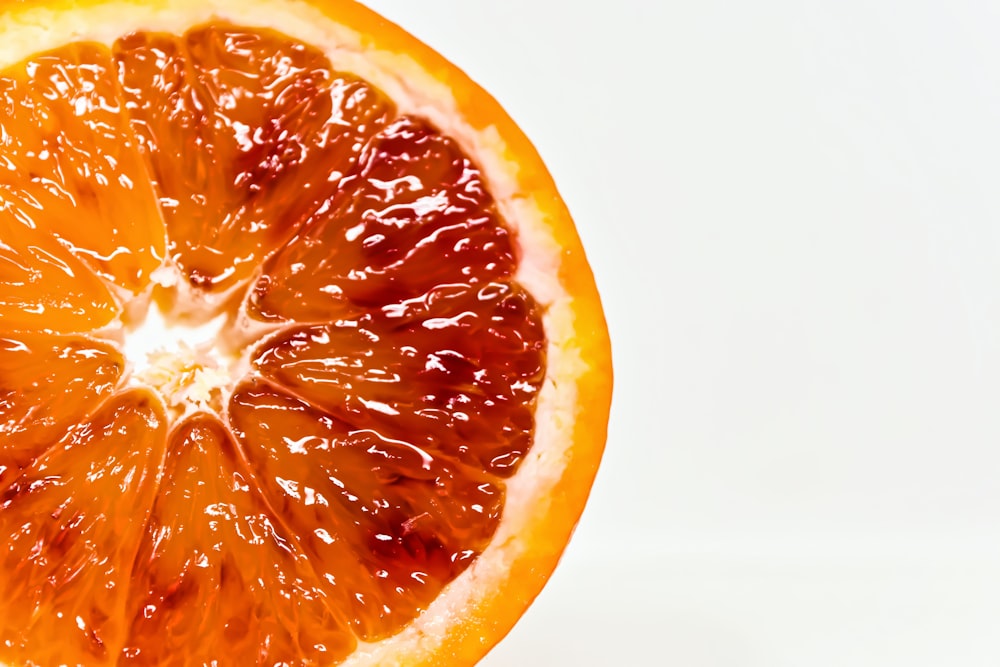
(301, 360)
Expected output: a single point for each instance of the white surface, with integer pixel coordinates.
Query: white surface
(793, 211)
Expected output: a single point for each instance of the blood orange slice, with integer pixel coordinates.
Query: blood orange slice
(301, 361)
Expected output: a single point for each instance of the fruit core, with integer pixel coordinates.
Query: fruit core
(185, 361)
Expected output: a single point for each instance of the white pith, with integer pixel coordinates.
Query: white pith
(182, 362)
(190, 348)
(414, 91)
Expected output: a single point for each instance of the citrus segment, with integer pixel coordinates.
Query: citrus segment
(456, 372)
(70, 525)
(69, 166)
(415, 214)
(47, 384)
(384, 523)
(43, 286)
(213, 546)
(244, 130)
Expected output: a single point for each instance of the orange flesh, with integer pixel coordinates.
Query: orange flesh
(47, 384)
(43, 286)
(70, 525)
(357, 469)
(76, 174)
(244, 131)
(213, 546)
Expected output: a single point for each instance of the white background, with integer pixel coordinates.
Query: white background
(793, 212)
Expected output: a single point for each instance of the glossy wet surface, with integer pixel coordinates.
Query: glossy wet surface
(356, 468)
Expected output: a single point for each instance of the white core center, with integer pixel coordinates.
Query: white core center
(185, 363)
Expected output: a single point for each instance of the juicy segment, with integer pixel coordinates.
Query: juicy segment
(454, 372)
(359, 465)
(217, 569)
(70, 168)
(384, 523)
(70, 525)
(48, 384)
(414, 215)
(244, 131)
(43, 286)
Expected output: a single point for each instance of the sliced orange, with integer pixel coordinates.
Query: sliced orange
(301, 360)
